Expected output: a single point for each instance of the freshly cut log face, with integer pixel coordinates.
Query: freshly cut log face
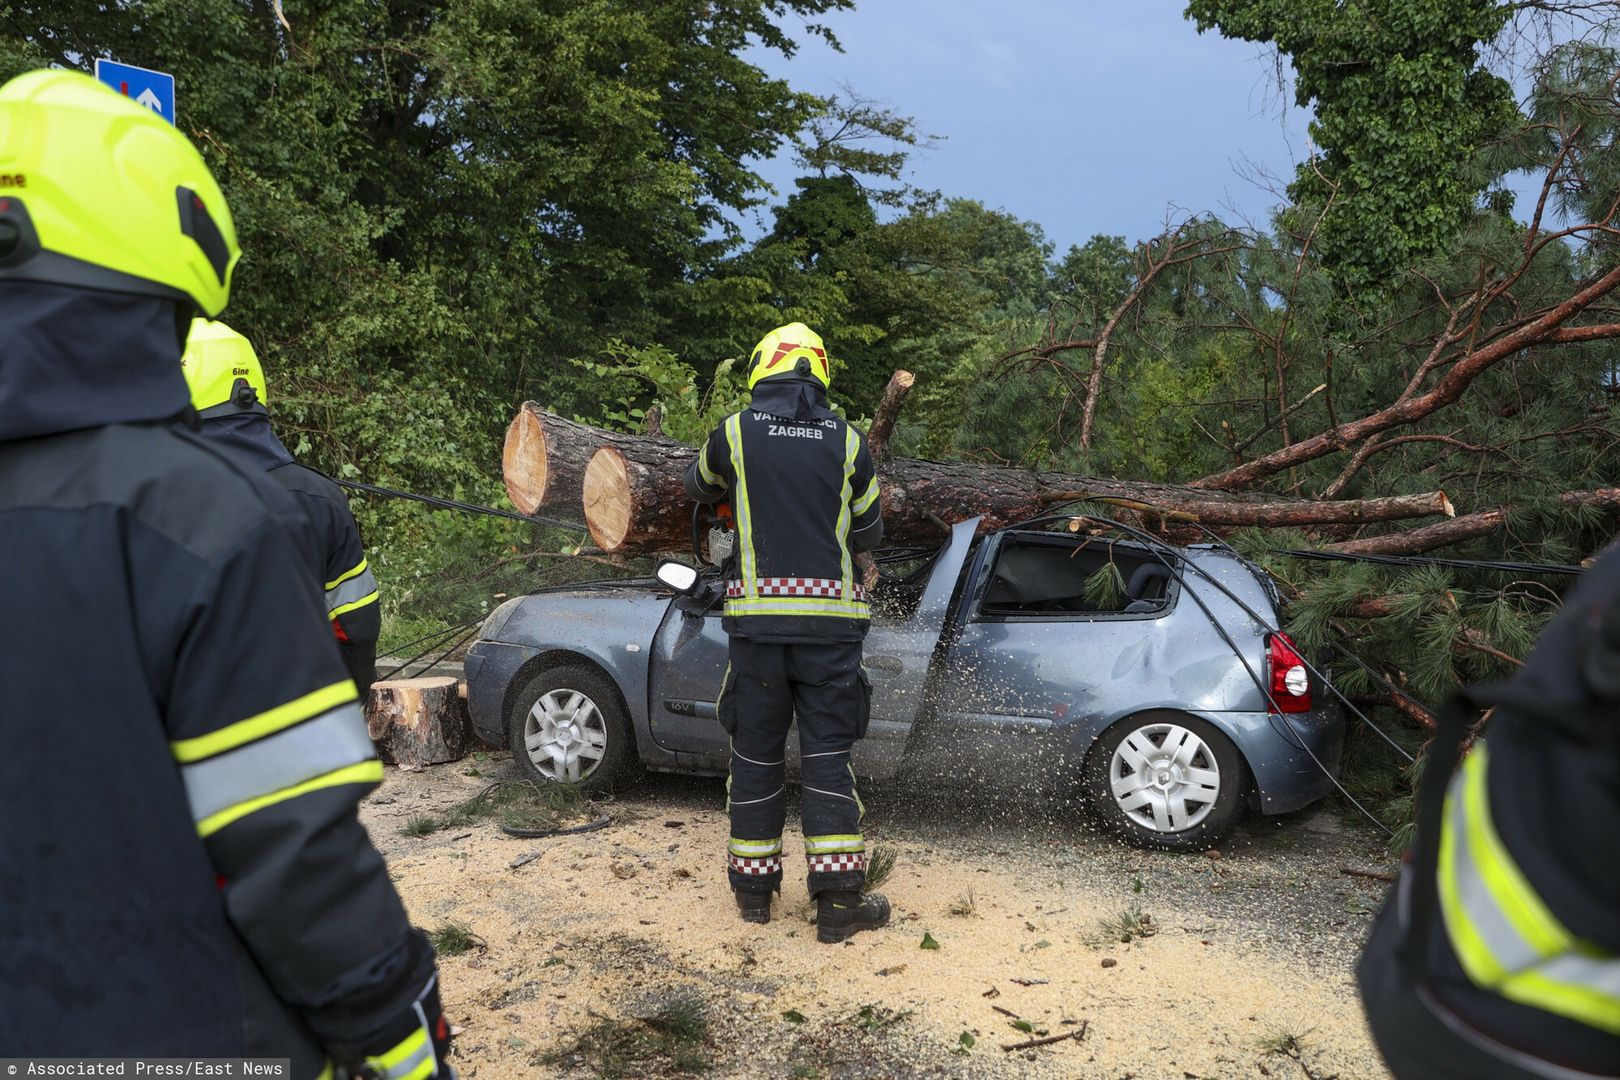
(607, 498)
(634, 500)
(523, 459)
(544, 458)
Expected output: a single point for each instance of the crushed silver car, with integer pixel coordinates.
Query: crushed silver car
(1163, 701)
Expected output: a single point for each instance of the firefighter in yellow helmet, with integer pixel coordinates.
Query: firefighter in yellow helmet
(203, 887)
(1497, 954)
(805, 498)
(228, 391)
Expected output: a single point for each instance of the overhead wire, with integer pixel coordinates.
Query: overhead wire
(457, 504)
(440, 639)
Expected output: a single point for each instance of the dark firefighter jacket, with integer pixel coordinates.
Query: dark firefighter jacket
(184, 874)
(1518, 918)
(351, 590)
(805, 498)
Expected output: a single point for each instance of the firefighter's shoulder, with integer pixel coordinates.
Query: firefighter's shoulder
(175, 482)
(304, 480)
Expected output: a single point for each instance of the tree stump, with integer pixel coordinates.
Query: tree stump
(417, 722)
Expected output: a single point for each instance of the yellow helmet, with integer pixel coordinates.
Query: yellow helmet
(794, 349)
(223, 371)
(100, 193)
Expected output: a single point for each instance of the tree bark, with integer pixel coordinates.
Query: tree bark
(629, 492)
(1269, 515)
(1468, 527)
(634, 501)
(416, 722)
(894, 396)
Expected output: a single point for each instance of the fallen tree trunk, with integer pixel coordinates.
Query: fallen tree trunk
(628, 490)
(634, 501)
(416, 722)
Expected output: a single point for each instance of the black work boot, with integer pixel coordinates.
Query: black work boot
(755, 906)
(842, 915)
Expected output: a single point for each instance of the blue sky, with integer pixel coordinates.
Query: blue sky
(1085, 116)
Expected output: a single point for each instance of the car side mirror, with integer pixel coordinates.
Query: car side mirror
(677, 575)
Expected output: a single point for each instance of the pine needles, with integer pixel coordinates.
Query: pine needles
(879, 865)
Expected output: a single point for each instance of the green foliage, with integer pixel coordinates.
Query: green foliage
(879, 866)
(629, 377)
(1127, 924)
(440, 205)
(875, 1019)
(521, 805)
(419, 825)
(1105, 588)
(1402, 109)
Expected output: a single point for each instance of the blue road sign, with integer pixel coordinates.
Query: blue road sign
(154, 89)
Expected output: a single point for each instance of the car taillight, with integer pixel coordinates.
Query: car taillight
(1290, 681)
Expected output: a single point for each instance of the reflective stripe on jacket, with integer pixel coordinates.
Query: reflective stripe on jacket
(351, 589)
(804, 494)
(1504, 935)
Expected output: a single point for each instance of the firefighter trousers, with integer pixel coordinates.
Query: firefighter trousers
(825, 689)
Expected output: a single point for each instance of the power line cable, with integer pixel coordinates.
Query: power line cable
(457, 504)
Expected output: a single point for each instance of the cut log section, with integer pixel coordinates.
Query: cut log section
(544, 458)
(634, 499)
(416, 722)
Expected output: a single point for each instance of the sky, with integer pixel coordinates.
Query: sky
(1084, 116)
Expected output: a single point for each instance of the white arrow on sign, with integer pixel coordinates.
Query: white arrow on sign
(150, 100)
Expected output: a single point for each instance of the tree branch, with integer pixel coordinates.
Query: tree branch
(1410, 410)
(888, 410)
(1469, 526)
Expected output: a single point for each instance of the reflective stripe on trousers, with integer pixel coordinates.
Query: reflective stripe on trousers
(1506, 938)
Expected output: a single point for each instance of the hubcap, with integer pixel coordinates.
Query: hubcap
(565, 735)
(1165, 778)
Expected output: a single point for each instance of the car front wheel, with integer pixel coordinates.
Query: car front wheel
(567, 726)
(1166, 781)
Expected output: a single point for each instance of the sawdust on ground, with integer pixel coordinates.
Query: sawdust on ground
(617, 923)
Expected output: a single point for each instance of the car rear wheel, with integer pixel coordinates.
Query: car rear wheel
(567, 726)
(1166, 780)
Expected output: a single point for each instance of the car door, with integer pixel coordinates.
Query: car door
(1014, 688)
(689, 663)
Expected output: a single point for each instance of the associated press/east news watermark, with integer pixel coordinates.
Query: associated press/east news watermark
(153, 1068)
